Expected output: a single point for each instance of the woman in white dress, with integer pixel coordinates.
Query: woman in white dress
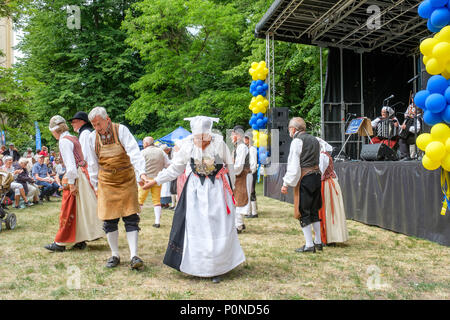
(203, 240)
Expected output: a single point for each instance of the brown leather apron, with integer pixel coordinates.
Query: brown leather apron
(117, 186)
(305, 171)
(240, 188)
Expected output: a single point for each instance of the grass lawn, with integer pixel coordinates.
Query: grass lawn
(373, 264)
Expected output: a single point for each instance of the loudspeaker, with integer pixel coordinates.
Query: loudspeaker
(377, 152)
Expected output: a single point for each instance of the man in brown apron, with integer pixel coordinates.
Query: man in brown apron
(116, 166)
(304, 175)
(241, 169)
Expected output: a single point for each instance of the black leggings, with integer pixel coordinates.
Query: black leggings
(253, 193)
(310, 199)
(131, 224)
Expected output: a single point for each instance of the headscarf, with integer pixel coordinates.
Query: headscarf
(55, 121)
(201, 124)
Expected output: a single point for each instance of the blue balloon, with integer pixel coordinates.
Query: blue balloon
(265, 120)
(255, 127)
(447, 95)
(425, 9)
(421, 97)
(438, 3)
(262, 150)
(437, 84)
(446, 114)
(440, 17)
(431, 27)
(260, 115)
(260, 123)
(435, 103)
(431, 118)
(266, 86)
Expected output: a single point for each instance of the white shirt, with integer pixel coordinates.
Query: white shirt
(253, 159)
(294, 169)
(239, 162)
(182, 158)
(66, 152)
(131, 148)
(84, 141)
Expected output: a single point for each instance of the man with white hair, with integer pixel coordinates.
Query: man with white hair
(386, 128)
(116, 166)
(155, 161)
(303, 174)
(241, 168)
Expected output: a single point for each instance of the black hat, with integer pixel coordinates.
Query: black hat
(81, 115)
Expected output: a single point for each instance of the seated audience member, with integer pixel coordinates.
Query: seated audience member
(16, 187)
(44, 151)
(3, 149)
(28, 154)
(409, 130)
(24, 178)
(386, 128)
(12, 152)
(60, 168)
(42, 177)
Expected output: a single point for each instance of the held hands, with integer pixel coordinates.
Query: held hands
(149, 183)
(284, 190)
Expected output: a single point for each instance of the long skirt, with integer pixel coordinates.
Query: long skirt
(332, 215)
(203, 240)
(78, 220)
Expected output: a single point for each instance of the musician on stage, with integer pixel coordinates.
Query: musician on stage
(386, 128)
(409, 130)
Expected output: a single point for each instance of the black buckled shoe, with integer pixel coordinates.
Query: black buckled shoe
(319, 246)
(80, 245)
(54, 247)
(156, 225)
(136, 263)
(113, 262)
(306, 249)
(240, 228)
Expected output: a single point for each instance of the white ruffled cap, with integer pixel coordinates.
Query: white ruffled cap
(201, 124)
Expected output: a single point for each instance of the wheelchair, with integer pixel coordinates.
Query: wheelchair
(9, 219)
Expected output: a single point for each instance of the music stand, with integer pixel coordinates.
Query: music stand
(362, 126)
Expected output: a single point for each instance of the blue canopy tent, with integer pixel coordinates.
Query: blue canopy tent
(177, 134)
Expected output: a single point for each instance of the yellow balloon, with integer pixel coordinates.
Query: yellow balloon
(266, 103)
(447, 145)
(445, 163)
(426, 59)
(434, 67)
(435, 150)
(441, 52)
(440, 132)
(430, 164)
(254, 77)
(427, 45)
(262, 64)
(251, 71)
(444, 34)
(423, 140)
(255, 65)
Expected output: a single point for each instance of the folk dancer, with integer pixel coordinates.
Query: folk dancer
(303, 174)
(78, 221)
(116, 166)
(203, 240)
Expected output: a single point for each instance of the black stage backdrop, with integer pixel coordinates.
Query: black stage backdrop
(397, 196)
(383, 75)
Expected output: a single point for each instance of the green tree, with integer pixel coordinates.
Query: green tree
(15, 117)
(78, 69)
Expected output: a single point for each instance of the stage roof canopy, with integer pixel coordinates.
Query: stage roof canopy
(347, 24)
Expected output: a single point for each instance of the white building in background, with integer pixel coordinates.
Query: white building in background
(6, 43)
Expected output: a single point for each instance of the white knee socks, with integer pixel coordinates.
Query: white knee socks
(113, 241)
(132, 238)
(158, 211)
(317, 238)
(307, 232)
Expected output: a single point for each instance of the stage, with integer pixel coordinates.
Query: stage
(400, 196)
